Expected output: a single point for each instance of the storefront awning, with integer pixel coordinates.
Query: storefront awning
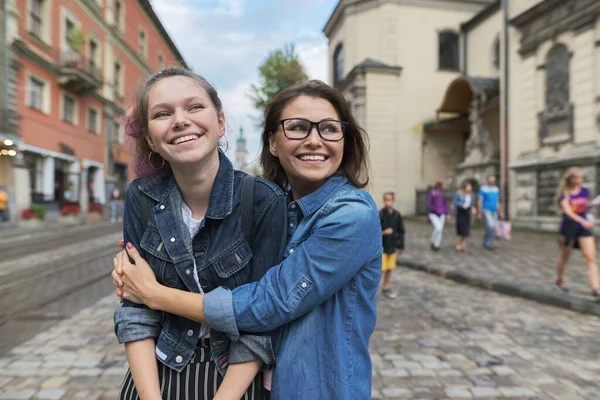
(461, 91)
(48, 153)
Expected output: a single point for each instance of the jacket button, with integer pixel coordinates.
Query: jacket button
(162, 206)
(190, 332)
(293, 205)
(179, 359)
(187, 271)
(291, 251)
(304, 285)
(172, 240)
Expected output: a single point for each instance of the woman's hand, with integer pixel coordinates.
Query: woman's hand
(134, 282)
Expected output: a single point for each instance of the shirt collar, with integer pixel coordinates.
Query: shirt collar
(310, 203)
(221, 198)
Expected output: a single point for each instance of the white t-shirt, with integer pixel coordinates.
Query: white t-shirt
(468, 200)
(193, 226)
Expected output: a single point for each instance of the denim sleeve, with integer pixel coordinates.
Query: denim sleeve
(250, 348)
(345, 239)
(135, 321)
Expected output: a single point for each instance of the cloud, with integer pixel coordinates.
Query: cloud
(227, 40)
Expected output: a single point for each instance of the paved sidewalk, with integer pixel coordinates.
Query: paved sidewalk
(524, 266)
(437, 340)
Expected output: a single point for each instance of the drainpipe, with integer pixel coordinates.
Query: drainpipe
(4, 46)
(505, 105)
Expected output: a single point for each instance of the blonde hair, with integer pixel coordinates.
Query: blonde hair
(565, 185)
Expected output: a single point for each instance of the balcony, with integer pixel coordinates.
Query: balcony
(78, 74)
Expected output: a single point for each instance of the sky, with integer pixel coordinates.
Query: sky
(226, 41)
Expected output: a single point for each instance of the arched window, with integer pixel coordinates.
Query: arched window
(338, 64)
(448, 50)
(557, 80)
(496, 54)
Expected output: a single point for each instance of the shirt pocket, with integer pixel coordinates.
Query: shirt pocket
(158, 258)
(232, 265)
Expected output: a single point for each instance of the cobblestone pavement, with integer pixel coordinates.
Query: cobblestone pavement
(437, 340)
(528, 260)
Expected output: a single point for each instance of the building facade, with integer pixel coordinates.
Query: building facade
(79, 64)
(554, 102)
(394, 60)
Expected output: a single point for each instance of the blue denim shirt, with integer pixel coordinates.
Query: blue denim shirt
(222, 255)
(323, 294)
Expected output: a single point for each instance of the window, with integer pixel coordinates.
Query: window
(92, 120)
(338, 64)
(68, 110)
(142, 43)
(117, 79)
(557, 79)
(496, 54)
(448, 51)
(35, 17)
(118, 12)
(557, 120)
(118, 134)
(93, 54)
(36, 93)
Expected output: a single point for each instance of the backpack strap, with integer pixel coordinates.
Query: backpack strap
(247, 207)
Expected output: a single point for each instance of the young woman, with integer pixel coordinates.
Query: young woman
(322, 296)
(463, 203)
(438, 213)
(184, 218)
(575, 229)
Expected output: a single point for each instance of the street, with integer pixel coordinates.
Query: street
(437, 340)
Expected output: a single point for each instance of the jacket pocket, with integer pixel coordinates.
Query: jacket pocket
(233, 264)
(157, 256)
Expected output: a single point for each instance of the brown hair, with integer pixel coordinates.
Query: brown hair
(355, 161)
(137, 119)
(389, 194)
(439, 184)
(565, 185)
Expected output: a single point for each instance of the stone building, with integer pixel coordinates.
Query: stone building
(394, 60)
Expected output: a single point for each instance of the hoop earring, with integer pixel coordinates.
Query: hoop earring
(150, 161)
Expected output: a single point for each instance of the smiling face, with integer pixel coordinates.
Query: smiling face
(184, 126)
(310, 161)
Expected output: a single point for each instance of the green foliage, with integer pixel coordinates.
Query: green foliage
(281, 70)
(39, 209)
(76, 39)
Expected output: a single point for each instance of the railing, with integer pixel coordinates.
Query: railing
(75, 60)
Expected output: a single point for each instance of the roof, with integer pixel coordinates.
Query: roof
(371, 65)
(481, 16)
(148, 7)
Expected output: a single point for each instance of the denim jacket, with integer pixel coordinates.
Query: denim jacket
(323, 294)
(223, 258)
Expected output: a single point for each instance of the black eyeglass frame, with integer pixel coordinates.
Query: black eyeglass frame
(344, 124)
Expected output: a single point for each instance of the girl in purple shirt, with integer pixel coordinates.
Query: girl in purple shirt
(438, 213)
(575, 228)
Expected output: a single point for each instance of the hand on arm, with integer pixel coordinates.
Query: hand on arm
(566, 208)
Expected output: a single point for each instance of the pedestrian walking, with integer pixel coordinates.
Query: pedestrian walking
(463, 203)
(438, 213)
(488, 207)
(392, 232)
(572, 199)
(115, 204)
(320, 301)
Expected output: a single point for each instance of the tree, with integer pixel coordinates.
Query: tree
(281, 70)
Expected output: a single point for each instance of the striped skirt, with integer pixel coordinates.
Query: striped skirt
(199, 380)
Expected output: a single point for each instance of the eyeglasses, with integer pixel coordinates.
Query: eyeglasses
(330, 130)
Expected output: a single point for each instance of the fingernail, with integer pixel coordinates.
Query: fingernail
(129, 245)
